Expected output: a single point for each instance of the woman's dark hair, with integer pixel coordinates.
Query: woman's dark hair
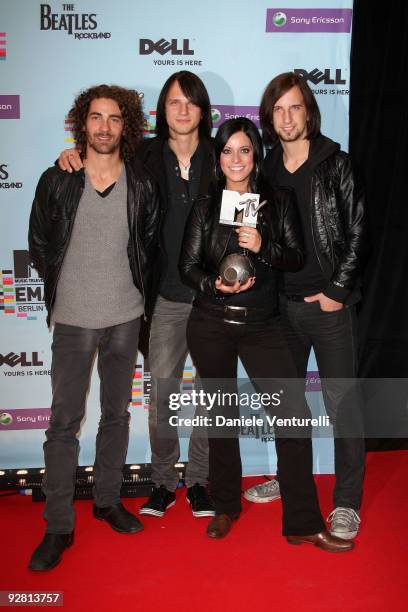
(225, 131)
(275, 90)
(194, 89)
(130, 106)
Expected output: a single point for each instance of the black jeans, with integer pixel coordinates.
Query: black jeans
(215, 347)
(333, 338)
(73, 353)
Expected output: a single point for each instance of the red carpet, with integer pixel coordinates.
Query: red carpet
(172, 565)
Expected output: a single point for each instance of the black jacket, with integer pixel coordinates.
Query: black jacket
(150, 153)
(53, 214)
(336, 215)
(206, 240)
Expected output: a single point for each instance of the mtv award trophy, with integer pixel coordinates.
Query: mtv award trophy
(238, 210)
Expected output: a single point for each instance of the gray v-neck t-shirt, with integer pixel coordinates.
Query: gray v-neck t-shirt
(96, 288)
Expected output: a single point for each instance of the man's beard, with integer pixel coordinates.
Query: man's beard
(296, 134)
(103, 148)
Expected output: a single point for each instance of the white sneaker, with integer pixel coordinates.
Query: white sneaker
(345, 523)
(263, 493)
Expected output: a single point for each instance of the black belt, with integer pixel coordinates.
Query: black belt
(235, 314)
(294, 297)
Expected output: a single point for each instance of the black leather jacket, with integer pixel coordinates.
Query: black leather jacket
(150, 153)
(336, 215)
(52, 219)
(206, 240)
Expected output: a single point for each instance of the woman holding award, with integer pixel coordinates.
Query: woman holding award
(236, 241)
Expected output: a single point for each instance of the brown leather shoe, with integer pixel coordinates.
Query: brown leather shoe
(323, 540)
(220, 525)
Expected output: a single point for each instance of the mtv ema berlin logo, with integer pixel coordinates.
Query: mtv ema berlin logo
(3, 50)
(141, 386)
(78, 25)
(9, 107)
(68, 129)
(308, 20)
(21, 290)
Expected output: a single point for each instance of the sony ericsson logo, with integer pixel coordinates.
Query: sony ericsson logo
(325, 76)
(9, 107)
(279, 19)
(14, 359)
(5, 419)
(222, 112)
(80, 25)
(163, 46)
(331, 20)
(215, 115)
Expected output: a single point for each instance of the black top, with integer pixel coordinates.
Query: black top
(261, 293)
(181, 195)
(206, 242)
(106, 191)
(309, 280)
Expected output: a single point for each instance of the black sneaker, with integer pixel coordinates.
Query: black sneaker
(200, 501)
(158, 502)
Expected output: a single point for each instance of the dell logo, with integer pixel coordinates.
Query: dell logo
(163, 46)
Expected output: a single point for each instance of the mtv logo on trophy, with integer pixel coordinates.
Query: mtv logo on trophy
(239, 209)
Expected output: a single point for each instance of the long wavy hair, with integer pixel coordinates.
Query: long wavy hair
(130, 106)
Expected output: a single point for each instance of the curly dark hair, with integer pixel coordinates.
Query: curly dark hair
(130, 106)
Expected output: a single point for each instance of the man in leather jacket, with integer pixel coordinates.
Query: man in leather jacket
(318, 302)
(180, 159)
(92, 237)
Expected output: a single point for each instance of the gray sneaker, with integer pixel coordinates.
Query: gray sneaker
(263, 493)
(345, 523)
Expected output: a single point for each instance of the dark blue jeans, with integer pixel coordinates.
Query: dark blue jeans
(332, 335)
(73, 353)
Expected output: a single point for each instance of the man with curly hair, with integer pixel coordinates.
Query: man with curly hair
(181, 160)
(92, 236)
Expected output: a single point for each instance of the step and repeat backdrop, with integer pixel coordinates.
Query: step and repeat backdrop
(48, 53)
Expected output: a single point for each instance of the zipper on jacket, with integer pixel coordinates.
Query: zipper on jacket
(328, 233)
(311, 225)
(138, 189)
